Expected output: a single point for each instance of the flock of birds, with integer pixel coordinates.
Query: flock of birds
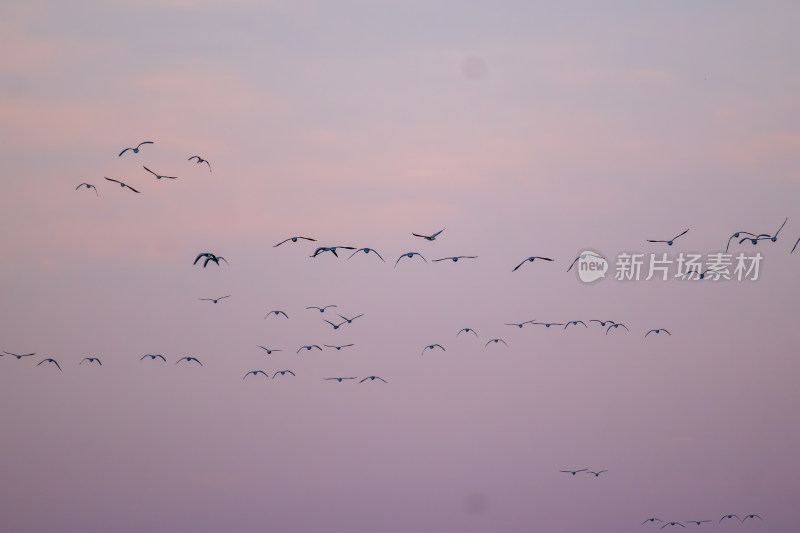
(208, 257)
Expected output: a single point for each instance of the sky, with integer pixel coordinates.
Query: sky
(521, 129)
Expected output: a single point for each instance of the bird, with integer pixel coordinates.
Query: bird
(467, 330)
(431, 347)
(736, 236)
(575, 323)
(188, 360)
(336, 326)
(277, 313)
(764, 236)
(153, 356)
(159, 176)
(215, 300)
(294, 239)
(670, 241)
(650, 520)
(331, 249)
(795, 246)
(282, 373)
(135, 150)
(201, 160)
(308, 347)
(88, 186)
(672, 524)
(338, 347)
(596, 474)
(409, 255)
(373, 378)
(697, 522)
(546, 324)
(495, 341)
(573, 472)
(255, 373)
(657, 331)
(729, 516)
(751, 516)
(321, 309)
(531, 259)
(210, 257)
(455, 259)
(269, 350)
(366, 251)
(519, 325)
(349, 320)
(615, 326)
(122, 184)
(18, 355)
(602, 322)
(429, 237)
(582, 256)
(91, 360)
(49, 360)
(338, 379)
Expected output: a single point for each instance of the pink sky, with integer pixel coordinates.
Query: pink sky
(523, 130)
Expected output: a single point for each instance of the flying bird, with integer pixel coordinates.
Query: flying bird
(670, 241)
(751, 516)
(282, 373)
(189, 360)
(431, 347)
(308, 347)
(91, 360)
(337, 379)
(349, 320)
(409, 255)
(88, 186)
(429, 237)
(331, 249)
(159, 176)
(215, 300)
(575, 323)
(122, 184)
(602, 322)
(615, 326)
(519, 325)
(764, 236)
(531, 259)
(650, 520)
(276, 313)
(338, 347)
(697, 522)
(582, 256)
(596, 474)
(729, 516)
(373, 378)
(495, 341)
(18, 355)
(336, 326)
(736, 236)
(210, 257)
(321, 309)
(49, 360)
(546, 324)
(268, 350)
(255, 373)
(657, 331)
(573, 472)
(466, 330)
(294, 239)
(455, 259)
(135, 150)
(367, 251)
(153, 357)
(201, 160)
(795, 246)
(672, 524)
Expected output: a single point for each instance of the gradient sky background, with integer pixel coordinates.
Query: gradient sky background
(524, 128)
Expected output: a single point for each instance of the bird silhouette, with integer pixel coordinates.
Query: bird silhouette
(91, 360)
(573, 472)
(657, 331)
(336, 326)
(795, 246)
(338, 347)
(736, 236)
(602, 322)
(282, 373)
(331, 249)
(409, 255)
(255, 373)
(215, 300)
(268, 350)
(672, 524)
(294, 239)
(518, 324)
(338, 379)
(494, 341)
(650, 520)
(373, 378)
(751, 516)
(367, 251)
(308, 347)
(582, 256)
(596, 474)
(18, 355)
(153, 357)
(431, 347)
(466, 330)
(546, 324)
(349, 320)
(201, 160)
(122, 184)
(615, 326)
(135, 150)
(88, 186)
(189, 360)
(49, 360)
(210, 257)
(277, 313)
(697, 522)
(764, 236)
(159, 176)
(670, 241)
(575, 323)
(531, 259)
(429, 237)
(729, 516)
(455, 259)
(321, 309)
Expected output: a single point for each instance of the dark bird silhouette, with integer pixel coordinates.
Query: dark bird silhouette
(153, 357)
(795, 246)
(135, 150)
(429, 237)
(672, 524)
(615, 326)
(18, 355)
(88, 186)
(596, 474)
(373, 378)
(431, 347)
(467, 330)
(49, 360)
(201, 160)
(321, 309)
(602, 323)
(268, 350)
(582, 256)
(210, 257)
(189, 360)
(764, 236)
(331, 249)
(531, 259)
(573, 472)
(294, 239)
(336, 326)
(159, 176)
(91, 360)
(729, 516)
(367, 251)
(697, 522)
(494, 341)
(409, 255)
(338, 347)
(657, 331)
(751, 516)
(255, 373)
(338, 379)
(455, 259)
(670, 241)
(349, 320)
(215, 300)
(277, 313)
(736, 236)
(282, 373)
(575, 323)
(122, 184)
(519, 325)
(546, 324)
(650, 520)
(308, 347)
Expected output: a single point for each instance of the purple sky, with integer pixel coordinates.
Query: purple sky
(523, 129)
